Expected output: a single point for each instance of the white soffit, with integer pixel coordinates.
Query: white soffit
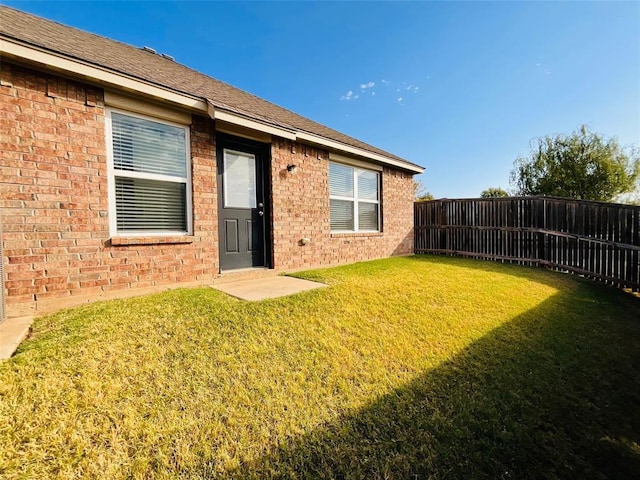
(123, 102)
(90, 72)
(242, 121)
(360, 152)
(243, 132)
(336, 157)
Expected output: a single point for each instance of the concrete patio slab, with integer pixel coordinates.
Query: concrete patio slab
(12, 332)
(257, 289)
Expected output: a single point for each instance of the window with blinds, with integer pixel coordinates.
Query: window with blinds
(354, 197)
(149, 176)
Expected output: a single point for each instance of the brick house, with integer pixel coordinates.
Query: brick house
(124, 169)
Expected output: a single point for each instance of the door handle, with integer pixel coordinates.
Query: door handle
(261, 213)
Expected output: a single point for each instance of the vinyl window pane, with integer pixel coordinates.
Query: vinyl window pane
(363, 186)
(341, 215)
(141, 145)
(367, 185)
(340, 180)
(367, 216)
(150, 205)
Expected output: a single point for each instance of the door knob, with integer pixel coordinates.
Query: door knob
(261, 213)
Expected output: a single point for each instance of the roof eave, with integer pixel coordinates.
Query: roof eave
(308, 138)
(48, 60)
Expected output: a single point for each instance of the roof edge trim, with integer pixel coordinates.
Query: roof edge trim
(242, 121)
(14, 49)
(360, 152)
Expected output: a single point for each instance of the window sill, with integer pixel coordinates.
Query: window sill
(356, 234)
(160, 240)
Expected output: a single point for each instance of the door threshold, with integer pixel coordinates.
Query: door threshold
(246, 269)
(250, 273)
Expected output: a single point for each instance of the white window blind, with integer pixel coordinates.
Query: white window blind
(354, 199)
(341, 215)
(150, 205)
(150, 182)
(140, 145)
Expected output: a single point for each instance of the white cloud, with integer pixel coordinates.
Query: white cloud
(364, 90)
(348, 96)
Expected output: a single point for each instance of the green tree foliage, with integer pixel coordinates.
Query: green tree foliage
(420, 193)
(425, 197)
(581, 165)
(494, 192)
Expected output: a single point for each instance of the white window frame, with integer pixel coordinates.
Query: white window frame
(112, 173)
(355, 200)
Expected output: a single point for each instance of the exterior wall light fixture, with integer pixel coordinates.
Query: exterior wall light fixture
(291, 168)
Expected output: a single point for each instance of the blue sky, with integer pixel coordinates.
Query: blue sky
(460, 88)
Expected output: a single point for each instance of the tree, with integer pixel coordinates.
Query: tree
(582, 165)
(493, 192)
(420, 193)
(425, 197)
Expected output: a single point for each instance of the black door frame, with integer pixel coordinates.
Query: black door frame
(232, 142)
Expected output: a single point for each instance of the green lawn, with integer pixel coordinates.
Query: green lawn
(411, 368)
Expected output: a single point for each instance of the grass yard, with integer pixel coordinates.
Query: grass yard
(410, 368)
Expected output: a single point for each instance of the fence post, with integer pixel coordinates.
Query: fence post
(443, 222)
(542, 225)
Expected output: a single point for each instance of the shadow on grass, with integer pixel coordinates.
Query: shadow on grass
(555, 393)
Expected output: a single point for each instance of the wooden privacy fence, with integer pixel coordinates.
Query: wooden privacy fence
(595, 239)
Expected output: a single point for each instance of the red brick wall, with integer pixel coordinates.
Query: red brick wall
(54, 200)
(301, 210)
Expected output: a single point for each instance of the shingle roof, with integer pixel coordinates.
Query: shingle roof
(138, 63)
